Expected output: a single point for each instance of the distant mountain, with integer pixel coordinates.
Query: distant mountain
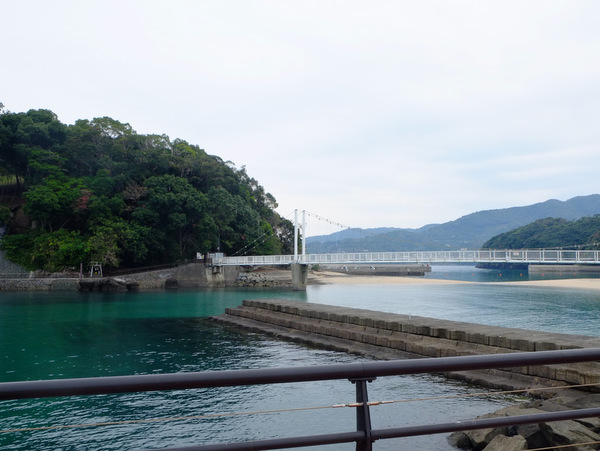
(469, 231)
(550, 233)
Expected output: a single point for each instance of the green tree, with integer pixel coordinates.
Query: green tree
(132, 199)
(50, 251)
(172, 206)
(53, 202)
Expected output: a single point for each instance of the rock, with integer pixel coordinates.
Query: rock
(133, 286)
(588, 401)
(263, 279)
(171, 284)
(592, 423)
(104, 284)
(533, 434)
(459, 440)
(571, 402)
(567, 432)
(480, 438)
(504, 443)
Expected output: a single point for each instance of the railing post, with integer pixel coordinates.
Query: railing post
(363, 414)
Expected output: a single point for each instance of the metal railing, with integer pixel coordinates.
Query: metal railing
(547, 256)
(358, 373)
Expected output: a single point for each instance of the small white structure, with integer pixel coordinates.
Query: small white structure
(96, 270)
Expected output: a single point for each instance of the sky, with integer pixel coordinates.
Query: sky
(369, 113)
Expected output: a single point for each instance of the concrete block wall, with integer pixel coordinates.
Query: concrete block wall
(414, 335)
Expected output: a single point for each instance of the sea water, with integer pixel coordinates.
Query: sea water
(64, 335)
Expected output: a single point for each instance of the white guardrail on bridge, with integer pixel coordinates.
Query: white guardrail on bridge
(465, 256)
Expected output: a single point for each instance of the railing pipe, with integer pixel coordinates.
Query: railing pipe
(277, 443)
(358, 370)
(484, 423)
(389, 433)
(358, 373)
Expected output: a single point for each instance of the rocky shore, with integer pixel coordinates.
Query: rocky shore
(582, 433)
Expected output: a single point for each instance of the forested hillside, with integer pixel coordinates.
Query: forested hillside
(98, 191)
(551, 233)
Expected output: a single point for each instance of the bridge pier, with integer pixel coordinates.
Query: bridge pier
(299, 276)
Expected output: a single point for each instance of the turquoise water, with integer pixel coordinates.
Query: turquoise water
(61, 335)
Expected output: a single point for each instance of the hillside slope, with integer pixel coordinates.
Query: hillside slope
(469, 231)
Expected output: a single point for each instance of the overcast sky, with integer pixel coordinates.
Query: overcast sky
(369, 113)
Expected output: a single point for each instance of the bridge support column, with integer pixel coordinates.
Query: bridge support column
(299, 276)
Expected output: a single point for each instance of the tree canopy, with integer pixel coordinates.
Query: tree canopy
(98, 191)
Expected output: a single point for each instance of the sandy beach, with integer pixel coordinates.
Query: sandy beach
(331, 277)
(586, 284)
(338, 278)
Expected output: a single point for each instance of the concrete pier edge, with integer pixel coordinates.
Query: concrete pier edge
(383, 335)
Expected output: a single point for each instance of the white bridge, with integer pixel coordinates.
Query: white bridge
(524, 256)
(300, 262)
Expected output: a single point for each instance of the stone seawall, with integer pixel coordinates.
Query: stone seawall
(193, 275)
(386, 335)
(39, 284)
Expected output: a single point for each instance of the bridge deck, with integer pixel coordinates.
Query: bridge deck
(526, 256)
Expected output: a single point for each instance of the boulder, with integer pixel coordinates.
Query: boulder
(533, 434)
(567, 432)
(460, 440)
(504, 443)
(480, 438)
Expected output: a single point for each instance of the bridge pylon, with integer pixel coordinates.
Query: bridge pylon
(299, 270)
(296, 231)
(299, 276)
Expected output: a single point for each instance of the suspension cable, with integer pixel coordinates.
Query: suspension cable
(328, 220)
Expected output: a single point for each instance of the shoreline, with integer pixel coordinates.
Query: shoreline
(264, 277)
(334, 278)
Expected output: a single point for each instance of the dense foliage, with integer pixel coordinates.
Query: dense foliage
(98, 191)
(550, 233)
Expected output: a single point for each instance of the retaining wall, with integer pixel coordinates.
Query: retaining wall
(387, 335)
(39, 284)
(193, 275)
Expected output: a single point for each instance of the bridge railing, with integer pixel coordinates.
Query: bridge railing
(359, 373)
(548, 256)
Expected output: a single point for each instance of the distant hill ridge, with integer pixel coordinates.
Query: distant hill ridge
(468, 232)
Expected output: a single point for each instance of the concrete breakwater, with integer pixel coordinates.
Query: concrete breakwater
(393, 336)
(386, 335)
